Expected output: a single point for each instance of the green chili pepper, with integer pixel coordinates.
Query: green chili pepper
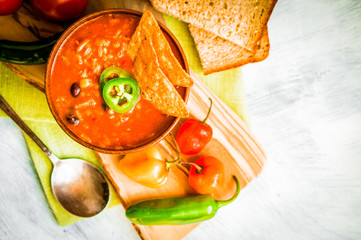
(177, 210)
(121, 94)
(112, 72)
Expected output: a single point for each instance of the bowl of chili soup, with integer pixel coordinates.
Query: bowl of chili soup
(85, 49)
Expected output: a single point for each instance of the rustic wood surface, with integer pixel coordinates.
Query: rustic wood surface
(304, 104)
(232, 141)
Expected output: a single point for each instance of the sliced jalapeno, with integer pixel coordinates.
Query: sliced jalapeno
(121, 94)
(111, 73)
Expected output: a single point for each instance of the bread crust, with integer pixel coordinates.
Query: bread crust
(241, 22)
(218, 54)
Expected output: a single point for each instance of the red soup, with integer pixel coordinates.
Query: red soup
(74, 86)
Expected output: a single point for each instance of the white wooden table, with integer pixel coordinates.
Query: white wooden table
(305, 108)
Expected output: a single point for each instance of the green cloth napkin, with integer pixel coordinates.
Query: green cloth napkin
(31, 105)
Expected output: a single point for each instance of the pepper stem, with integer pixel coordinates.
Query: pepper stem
(199, 169)
(168, 164)
(220, 204)
(209, 111)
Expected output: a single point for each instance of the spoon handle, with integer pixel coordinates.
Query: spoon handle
(14, 116)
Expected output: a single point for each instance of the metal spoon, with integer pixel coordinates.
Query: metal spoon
(80, 187)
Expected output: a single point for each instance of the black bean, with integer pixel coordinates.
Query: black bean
(72, 119)
(105, 106)
(75, 89)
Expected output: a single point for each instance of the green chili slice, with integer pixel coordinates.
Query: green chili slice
(111, 73)
(121, 94)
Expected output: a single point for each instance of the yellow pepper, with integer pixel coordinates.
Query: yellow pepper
(147, 167)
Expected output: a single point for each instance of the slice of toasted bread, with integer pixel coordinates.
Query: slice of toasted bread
(155, 86)
(241, 22)
(148, 28)
(218, 54)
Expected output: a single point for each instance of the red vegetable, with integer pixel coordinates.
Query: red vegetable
(59, 10)
(206, 175)
(194, 135)
(8, 7)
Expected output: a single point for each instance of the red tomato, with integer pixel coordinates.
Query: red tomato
(207, 175)
(8, 7)
(194, 135)
(59, 10)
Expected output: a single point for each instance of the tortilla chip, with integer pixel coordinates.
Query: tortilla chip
(148, 28)
(154, 85)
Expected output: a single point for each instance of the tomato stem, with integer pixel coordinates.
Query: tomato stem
(176, 145)
(168, 164)
(199, 169)
(179, 157)
(209, 111)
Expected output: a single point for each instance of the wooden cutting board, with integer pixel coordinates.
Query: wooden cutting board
(233, 142)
